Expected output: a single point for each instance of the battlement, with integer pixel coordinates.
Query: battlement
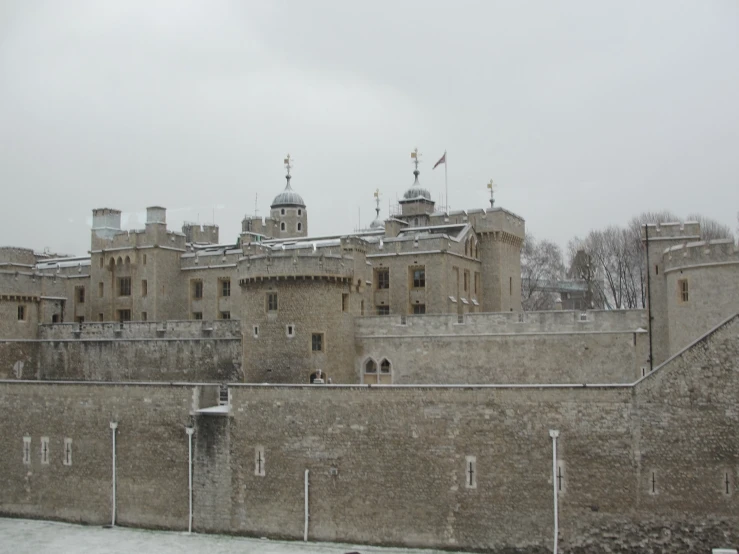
(202, 234)
(142, 330)
(672, 231)
(701, 252)
(13, 255)
(506, 323)
(295, 264)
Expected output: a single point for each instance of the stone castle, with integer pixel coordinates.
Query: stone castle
(270, 351)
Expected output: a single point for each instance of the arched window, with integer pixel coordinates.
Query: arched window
(372, 376)
(370, 366)
(128, 260)
(112, 263)
(282, 211)
(300, 226)
(385, 366)
(120, 261)
(321, 376)
(282, 226)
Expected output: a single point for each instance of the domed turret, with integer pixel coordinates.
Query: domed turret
(377, 223)
(288, 211)
(416, 200)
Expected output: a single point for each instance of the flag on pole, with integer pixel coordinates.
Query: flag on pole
(442, 160)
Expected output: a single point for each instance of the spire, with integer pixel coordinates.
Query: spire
(491, 186)
(288, 166)
(416, 157)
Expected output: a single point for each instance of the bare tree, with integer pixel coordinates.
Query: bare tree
(542, 267)
(711, 229)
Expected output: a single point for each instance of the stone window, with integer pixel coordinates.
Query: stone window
(128, 261)
(124, 315)
(382, 278)
(144, 259)
(477, 283)
(470, 472)
(197, 289)
(21, 312)
(419, 277)
(259, 461)
(80, 293)
(101, 317)
(466, 280)
(300, 226)
(101, 289)
(256, 331)
(510, 286)
(361, 308)
(682, 290)
(271, 301)
(124, 286)
(67, 452)
(225, 315)
(44, 450)
(300, 212)
(144, 287)
(385, 366)
(383, 310)
(282, 225)
(282, 212)
(27, 450)
(344, 302)
(316, 344)
(371, 375)
(419, 309)
(144, 316)
(370, 366)
(290, 330)
(226, 287)
(102, 261)
(197, 315)
(80, 319)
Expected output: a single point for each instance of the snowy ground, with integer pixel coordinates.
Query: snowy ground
(22, 536)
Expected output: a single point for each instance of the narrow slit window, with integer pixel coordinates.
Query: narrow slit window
(67, 452)
(259, 469)
(470, 472)
(44, 450)
(27, 450)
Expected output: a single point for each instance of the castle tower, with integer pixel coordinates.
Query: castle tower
(288, 211)
(416, 204)
(656, 239)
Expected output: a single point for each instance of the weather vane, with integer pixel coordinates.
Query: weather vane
(288, 164)
(416, 156)
(492, 186)
(377, 202)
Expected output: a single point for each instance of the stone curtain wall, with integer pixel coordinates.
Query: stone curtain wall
(155, 351)
(501, 348)
(389, 464)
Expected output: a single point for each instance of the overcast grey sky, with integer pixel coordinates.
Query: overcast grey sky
(584, 112)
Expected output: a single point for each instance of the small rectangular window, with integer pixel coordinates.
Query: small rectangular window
(272, 302)
(361, 308)
(419, 309)
(124, 315)
(101, 289)
(197, 315)
(477, 283)
(144, 259)
(290, 330)
(419, 278)
(101, 317)
(26, 450)
(144, 316)
(344, 302)
(317, 342)
(382, 278)
(21, 313)
(44, 450)
(197, 289)
(67, 452)
(510, 286)
(383, 310)
(80, 319)
(124, 286)
(225, 315)
(80, 295)
(466, 280)
(256, 331)
(225, 287)
(144, 287)
(682, 289)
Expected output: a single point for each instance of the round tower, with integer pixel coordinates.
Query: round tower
(288, 211)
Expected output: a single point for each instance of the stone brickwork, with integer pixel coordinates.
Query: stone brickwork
(542, 347)
(165, 351)
(649, 467)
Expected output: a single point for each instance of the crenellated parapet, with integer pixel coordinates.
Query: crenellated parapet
(11, 255)
(296, 265)
(701, 254)
(688, 231)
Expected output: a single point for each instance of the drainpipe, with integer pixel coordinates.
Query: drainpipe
(554, 434)
(305, 531)
(113, 427)
(189, 431)
(649, 298)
